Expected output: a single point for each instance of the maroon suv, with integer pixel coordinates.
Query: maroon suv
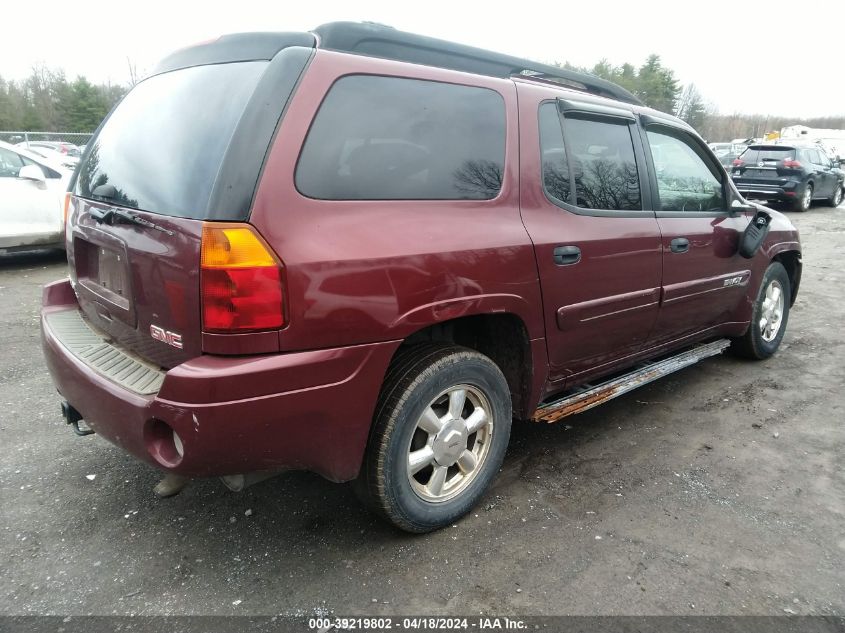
(363, 253)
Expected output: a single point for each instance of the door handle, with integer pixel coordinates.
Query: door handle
(566, 255)
(679, 245)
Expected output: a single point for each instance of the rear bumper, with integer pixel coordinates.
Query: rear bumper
(784, 191)
(306, 410)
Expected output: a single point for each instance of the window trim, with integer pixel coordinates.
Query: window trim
(702, 151)
(612, 116)
(471, 201)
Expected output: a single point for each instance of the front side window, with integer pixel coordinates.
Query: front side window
(684, 180)
(603, 164)
(10, 163)
(389, 138)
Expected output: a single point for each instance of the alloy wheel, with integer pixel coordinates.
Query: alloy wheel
(771, 313)
(807, 197)
(450, 443)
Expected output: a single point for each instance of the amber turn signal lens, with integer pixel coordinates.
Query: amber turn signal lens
(66, 207)
(229, 246)
(241, 280)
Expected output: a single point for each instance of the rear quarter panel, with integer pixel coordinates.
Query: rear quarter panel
(366, 271)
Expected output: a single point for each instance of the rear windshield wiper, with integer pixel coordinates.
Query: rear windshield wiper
(116, 216)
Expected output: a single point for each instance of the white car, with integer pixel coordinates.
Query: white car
(32, 190)
(64, 154)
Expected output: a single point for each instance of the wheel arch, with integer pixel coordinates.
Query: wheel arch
(791, 261)
(503, 337)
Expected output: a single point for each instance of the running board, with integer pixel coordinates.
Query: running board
(591, 395)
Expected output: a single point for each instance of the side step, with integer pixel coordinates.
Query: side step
(591, 395)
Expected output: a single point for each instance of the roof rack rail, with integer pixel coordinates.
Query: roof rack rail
(377, 40)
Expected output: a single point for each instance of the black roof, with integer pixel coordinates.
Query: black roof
(235, 47)
(376, 40)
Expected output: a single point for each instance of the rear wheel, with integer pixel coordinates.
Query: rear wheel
(439, 437)
(768, 317)
(836, 196)
(806, 199)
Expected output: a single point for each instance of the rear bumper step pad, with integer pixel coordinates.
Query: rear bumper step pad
(122, 368)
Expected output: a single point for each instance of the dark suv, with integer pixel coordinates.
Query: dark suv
(364, 253)
(797, 174)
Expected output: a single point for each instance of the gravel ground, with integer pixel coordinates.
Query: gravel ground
(717, 490)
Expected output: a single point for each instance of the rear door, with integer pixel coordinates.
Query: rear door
(583, 201)
(704, 278)
(184, 146)
(824, 177)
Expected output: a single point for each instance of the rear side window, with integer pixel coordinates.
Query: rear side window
(556, 175)
(388, 138)
(594, 167)
(602, 155)
(162, 147)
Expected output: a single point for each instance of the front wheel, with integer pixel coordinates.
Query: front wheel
(439, 437)
(768, 317)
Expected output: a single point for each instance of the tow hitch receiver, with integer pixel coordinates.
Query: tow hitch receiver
(589, 396)
(73, 417)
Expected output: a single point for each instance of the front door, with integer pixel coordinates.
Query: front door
(704, 278)
(29, 209)
(598, 251)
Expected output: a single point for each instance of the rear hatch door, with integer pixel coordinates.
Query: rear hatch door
(147, 182)
(763, 165)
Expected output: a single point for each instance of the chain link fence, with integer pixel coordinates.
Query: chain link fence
(74, 138)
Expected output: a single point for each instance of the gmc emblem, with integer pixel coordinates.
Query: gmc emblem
(171, 338)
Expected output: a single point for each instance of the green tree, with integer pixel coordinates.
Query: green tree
(82, 106)
(691, 107)
(46, 101)
(657, 86)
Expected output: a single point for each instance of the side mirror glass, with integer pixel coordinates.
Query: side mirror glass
(32, 172)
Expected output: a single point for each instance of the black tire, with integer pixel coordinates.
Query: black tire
(415, 379)
(805, 199)
(836, 197)
(753, 343)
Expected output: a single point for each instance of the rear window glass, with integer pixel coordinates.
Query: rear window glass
(162, 147)
(769, 154)
(388, 138)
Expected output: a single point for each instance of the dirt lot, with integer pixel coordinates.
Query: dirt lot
(719, 490)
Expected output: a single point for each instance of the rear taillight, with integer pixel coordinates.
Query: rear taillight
(241, 280)
(66, 208)
(738, 162)
(792, 164)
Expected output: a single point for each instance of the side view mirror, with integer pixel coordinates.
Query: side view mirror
(737, 207)
(754, 234)
(32, 172)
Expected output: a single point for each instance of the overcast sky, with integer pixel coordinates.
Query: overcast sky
(754, 56)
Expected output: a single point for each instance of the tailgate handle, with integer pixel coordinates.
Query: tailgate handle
(679, 245)
(566, 255)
